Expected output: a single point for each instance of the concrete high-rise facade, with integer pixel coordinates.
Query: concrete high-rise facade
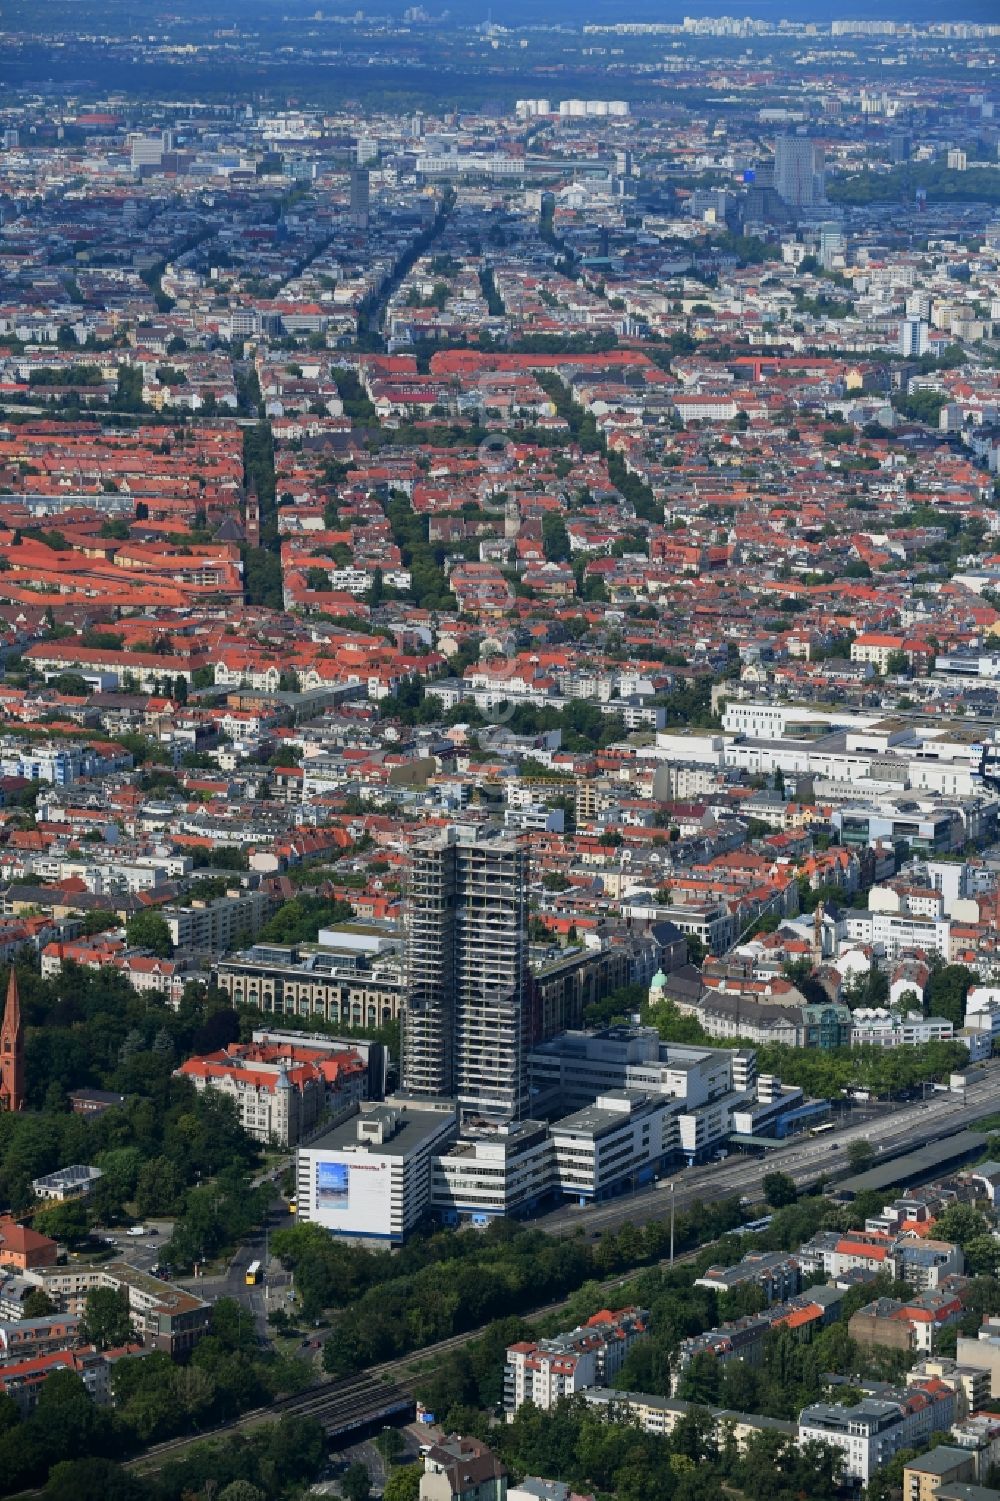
(466, 1021)
(360, 196)
(798, 171)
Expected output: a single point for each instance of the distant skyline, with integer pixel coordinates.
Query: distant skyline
(608, 11)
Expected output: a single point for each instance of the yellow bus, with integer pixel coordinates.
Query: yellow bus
(253, 1274)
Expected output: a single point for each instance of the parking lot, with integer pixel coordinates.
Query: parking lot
(141, 1251)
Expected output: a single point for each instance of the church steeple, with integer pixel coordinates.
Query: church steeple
(12, 1051)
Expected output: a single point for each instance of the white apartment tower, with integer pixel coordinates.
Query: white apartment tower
(914, 337)
(466, 1020)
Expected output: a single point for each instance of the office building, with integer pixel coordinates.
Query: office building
(356, 987)
(832, 246)
(466, 1020)
(506, 1171)
(624, 1138)
(360, 196)
(147, 151)
(368, 1178)
(798, 171)
(570, 1070)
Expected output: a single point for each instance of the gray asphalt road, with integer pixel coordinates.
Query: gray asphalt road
(268, 1294)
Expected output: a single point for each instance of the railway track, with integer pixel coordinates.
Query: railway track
(339, 1406)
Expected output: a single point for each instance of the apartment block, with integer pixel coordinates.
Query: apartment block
(281, 1090)
(871, 1431)
(165, 1317)
(777, 1274)
(983, 1352)
(213, 926)
(546, 1370)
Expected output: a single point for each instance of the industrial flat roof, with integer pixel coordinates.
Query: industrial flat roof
(916, 1167)
(415, 1126)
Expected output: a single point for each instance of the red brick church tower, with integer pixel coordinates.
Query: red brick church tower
(12, 1051)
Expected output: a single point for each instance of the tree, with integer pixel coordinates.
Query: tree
(404, 1484)
(159, 1187)
(390, 1444)
(357, 1483)
(696, 949)
(107, 1321)
(149, 930)
(555, 537)
(860, 1154)
(64, 1222)
(963, 1224)
(779, 1189)
(92, 1480)
(242, 1490)
(947, 990)
(37, 1305)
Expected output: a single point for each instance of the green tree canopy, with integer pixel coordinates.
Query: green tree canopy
(107, 1320)
(149, 930)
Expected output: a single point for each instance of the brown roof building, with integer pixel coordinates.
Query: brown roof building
(23, 1248)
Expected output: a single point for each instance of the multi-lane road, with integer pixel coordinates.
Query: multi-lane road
(805, 1159)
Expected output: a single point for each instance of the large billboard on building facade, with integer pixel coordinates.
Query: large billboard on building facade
(354, 1196)
(333, 1185)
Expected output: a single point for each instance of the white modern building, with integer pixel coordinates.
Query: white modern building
(368, 1178)
(623, 1135)
(498, 1172)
